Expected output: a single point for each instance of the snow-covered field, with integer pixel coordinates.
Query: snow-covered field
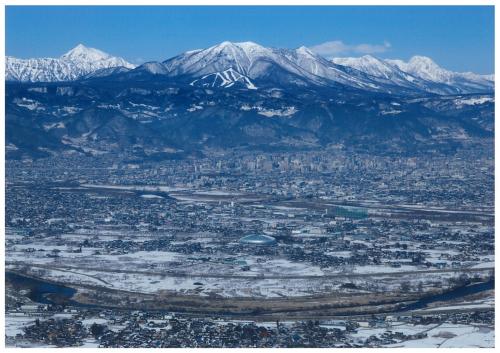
(151, 271)
(14, 323)
(450, 336)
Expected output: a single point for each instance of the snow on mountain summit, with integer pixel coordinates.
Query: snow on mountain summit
(81, 52)
(420, 72)
(76, 63)
(250, 65)
(261, 65)
(217, 58)
(425, 68)
(367, 64)
(264, 66)
(387, 71)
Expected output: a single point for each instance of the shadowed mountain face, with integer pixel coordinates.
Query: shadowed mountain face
(155, 116)
(242, 95)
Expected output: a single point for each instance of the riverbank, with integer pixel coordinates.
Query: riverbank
(324, 306)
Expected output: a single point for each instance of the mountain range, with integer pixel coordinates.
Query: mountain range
(71, 66)
(228, 64)
(241, 95)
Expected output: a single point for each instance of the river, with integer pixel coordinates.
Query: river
(50, 293)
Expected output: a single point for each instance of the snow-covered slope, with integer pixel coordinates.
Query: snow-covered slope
(375, 67)
(108, 71)
(227, 78)
(249, 65)
(76, 63)
(258, 65)
(230, 64)
(421, 73)
(426, 69)
(247, 59)
(317, 65)
(153, 67)
(392, 73)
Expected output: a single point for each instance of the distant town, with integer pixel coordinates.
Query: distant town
(250, 249)
(249, 177)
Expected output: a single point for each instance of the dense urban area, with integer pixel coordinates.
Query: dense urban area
(251, 249)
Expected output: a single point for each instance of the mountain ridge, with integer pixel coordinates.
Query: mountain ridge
(423, 72)
(250, 65)
(74, 64)
(243, 96)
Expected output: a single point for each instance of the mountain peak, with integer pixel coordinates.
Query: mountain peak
(370, 58)
(423, 62)
(218, 58)
(422, 59)
(81, 52)
(237, 44)
(363, 63)
(154, 68)
(76, 63)
(305, 51)
(245, 46)
(425, 68)
(224, 44)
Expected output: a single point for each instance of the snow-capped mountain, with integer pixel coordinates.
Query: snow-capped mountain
(243, 95)
(252, 66)
(421, 73)
(318, 66)
(76, 63)
(247, 59)
(230, 64)
(384, 70)
(379, 68)
(426, 69)
(248, 65)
